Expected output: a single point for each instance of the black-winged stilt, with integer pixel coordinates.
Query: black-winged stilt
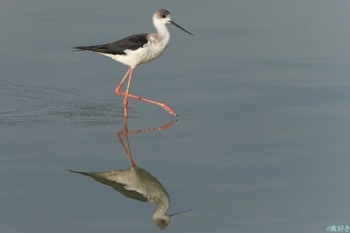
(138, 49)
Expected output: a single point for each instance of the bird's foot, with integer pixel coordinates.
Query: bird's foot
(168, 109)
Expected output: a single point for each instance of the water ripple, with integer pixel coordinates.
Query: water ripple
(25, 104)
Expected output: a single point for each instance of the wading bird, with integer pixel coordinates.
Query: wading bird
(138, 49)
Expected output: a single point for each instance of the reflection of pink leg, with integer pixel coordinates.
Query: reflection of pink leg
(125, 146)
(126, 95)
(164, 127)
(128, 154)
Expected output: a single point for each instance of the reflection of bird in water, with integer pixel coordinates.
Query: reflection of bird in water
(136, 183)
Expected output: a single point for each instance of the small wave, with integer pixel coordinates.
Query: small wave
(23, 104)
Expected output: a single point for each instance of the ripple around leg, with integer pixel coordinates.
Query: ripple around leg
(23, 104)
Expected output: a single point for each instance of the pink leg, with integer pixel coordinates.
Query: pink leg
(126, 95)
(117, 90)
(122, 82)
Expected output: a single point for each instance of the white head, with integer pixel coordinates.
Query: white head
(162, 16)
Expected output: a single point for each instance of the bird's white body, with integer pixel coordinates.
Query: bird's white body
(157, 43)
(147, 53)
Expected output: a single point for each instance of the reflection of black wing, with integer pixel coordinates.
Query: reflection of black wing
(131, 42)
(116, 186)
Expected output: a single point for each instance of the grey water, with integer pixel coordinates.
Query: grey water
(261, 143)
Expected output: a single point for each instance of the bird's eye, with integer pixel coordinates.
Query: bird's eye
(163, 16)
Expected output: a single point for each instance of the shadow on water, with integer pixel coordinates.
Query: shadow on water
(135, 182)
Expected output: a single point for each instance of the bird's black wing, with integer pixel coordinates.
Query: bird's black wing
(131, 42)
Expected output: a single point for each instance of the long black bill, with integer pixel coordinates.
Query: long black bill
(175, 24)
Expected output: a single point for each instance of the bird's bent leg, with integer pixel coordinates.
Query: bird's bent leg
(164, 106)
(118, 92)
(117, 89)
(126, 95)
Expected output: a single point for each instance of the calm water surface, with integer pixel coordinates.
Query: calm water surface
(261, 143)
